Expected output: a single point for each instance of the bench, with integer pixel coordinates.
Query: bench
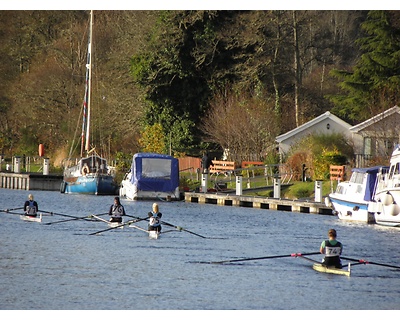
(337, 173)
(247, 164)
(220, 166)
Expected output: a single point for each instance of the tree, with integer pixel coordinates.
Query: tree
(244, 125)
(152, 139)
(373, 84)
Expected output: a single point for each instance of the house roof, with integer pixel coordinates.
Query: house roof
(377, 118)
(322, 117)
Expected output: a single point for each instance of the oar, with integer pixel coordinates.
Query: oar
(127, 215)
(58, 214)
(7, 210)
(267, 257)
(361, 261)
(78, 218)
(141, 229)
(123, 224)
(182, 229)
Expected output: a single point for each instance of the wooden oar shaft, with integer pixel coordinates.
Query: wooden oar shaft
(371, 262)
(268, 257)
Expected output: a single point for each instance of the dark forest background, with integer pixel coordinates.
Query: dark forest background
(183, 82)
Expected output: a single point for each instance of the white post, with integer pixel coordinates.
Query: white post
(46, 166)
(277, 187)
(17, 164)
(204, 182)
(239, 187)
(318, 191)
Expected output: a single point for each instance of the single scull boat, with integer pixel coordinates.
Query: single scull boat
(111, 224)
(322, 268)
(30, 218)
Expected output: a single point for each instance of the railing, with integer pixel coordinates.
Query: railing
(260, 176)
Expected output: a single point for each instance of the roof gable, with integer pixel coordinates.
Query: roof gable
(311, 123)
(379, 117)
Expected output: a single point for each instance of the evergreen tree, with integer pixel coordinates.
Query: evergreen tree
(373, 84)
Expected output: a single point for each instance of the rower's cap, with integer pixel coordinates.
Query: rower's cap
(30, 197)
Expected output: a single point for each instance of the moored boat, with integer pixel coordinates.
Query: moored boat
(322, 268)
(152, 176)
(351, 198)
(386, 204)
(90, 174)
(31, 218)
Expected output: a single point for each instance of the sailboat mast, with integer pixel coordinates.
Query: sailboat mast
(89, 66)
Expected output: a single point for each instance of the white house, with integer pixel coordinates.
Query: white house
(376, 137)
(326, 123)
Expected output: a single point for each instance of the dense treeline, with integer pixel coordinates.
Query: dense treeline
(188, 81)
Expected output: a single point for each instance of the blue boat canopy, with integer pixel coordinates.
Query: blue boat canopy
(155, 172)
(370, 184)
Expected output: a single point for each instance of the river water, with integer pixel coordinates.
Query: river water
(62, 267)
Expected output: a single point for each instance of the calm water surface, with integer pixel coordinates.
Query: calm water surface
(62, 267)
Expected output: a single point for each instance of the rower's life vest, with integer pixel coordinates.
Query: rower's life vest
(332, 250)
(117, 211)
(31, 210)
(154, 220)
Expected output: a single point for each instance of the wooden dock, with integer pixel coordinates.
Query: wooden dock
(303, 206)
(30, 181)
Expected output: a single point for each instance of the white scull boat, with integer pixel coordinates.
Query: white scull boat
(153, 234)
(322, 268)
(30, 218)
(111, 224)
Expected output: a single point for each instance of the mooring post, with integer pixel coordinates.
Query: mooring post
(46, 166)
(277, 187)
(17, 164)
(318, 191)
(204, 182)
(239, 187)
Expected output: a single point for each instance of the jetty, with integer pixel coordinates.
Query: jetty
(303, 206)
(30, 181)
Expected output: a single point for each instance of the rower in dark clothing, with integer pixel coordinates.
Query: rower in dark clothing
(116, 211)
(332, 250)
(154, 221)
(31, 207)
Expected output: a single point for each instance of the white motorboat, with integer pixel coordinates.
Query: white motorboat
(386, 204)
(352, 198)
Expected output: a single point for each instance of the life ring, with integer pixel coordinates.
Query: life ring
(85, 170)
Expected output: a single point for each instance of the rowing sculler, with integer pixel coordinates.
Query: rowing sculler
(328, 269)
(31, 218)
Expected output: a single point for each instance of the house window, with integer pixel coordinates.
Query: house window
(389, 145)
(368, 146)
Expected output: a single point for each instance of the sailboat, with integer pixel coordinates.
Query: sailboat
(91, 173)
